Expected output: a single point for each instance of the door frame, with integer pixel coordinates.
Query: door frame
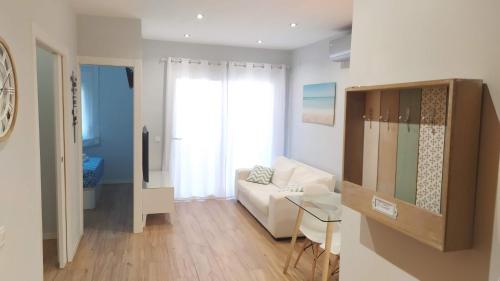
(136, 64)
(41, 39)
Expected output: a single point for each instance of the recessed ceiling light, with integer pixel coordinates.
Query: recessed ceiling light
(199, 16)
(293, 25)
(260, 42)
(187, 35)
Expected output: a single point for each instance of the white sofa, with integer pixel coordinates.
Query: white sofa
(268, 204)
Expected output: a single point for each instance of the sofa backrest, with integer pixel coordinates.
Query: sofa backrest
(317, 171)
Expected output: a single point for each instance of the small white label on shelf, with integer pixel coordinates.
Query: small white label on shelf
(384, 207)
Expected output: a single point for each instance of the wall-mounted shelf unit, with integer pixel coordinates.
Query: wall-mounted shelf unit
(410, 158)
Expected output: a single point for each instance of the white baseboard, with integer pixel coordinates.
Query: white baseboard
(117, 182)
(49, 236)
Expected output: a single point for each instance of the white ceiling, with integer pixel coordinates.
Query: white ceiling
(231, 22)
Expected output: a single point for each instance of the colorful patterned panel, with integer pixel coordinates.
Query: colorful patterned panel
(371, 139)
(431, 148)
(92, 171)
(388, 142)
(408, 135)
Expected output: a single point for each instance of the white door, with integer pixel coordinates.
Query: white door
(61, 167)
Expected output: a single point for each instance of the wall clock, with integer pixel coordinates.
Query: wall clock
(8, 92)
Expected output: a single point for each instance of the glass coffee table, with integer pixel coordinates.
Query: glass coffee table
(324, 207)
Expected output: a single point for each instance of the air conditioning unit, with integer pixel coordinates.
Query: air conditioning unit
(340, 49)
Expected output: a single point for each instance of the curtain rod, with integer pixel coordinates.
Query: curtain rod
(237, 64)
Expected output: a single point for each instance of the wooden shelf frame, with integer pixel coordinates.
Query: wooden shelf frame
(452, 229)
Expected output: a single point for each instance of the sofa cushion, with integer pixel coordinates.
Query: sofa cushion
(283, 170)
(281, 177)
(257, 194)
(303, 175)
(283, 163)
(260, 174)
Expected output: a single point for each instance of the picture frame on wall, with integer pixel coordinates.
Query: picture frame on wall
(318, 103)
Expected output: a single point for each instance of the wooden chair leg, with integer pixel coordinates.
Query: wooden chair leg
(304, 247)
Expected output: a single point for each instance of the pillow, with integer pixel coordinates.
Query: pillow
(291, 189)
(320, 183)
(281, 177)
(260, 174)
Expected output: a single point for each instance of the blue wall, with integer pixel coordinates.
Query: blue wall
(116, 124)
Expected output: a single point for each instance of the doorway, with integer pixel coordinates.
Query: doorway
(51, 136)
(107, 132)
(135, 66)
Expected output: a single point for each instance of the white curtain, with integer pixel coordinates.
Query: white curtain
(90, 104)
(256, 117)
(220, 117)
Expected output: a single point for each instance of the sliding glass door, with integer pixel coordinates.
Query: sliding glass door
(198, 135)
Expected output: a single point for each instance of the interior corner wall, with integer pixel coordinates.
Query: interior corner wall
(317, 145)
(20, 194)
(406, 40)
(153, 102)
(109, 37)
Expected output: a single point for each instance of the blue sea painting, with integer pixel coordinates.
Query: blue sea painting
(319, 103)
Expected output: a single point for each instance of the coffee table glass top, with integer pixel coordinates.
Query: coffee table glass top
(325, 207)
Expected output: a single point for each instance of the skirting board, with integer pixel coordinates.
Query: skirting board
(117, 182)
(49, 236)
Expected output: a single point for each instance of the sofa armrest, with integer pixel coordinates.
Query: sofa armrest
(241, 174)
(282, 214)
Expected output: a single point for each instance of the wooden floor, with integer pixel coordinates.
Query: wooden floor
(204, 240)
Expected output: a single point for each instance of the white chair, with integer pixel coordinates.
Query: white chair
(313, 229)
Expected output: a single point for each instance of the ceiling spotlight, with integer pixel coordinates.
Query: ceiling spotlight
(199, 16)
(260, 42)
(293, 25)
(187, 35)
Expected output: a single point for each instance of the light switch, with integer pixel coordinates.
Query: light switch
(2, 236)
(157, 139)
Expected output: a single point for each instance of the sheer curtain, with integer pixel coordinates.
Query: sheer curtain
(220, 117)
(90, 105)
(196, 114)
(256, 117)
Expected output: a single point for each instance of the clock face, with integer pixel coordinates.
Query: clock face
(8, 92)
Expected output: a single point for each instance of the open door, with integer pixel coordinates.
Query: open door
(49, 88)
(61, 169)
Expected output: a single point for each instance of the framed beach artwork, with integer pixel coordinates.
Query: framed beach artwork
(318, 103)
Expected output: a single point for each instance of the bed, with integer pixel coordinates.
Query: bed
(92, 174)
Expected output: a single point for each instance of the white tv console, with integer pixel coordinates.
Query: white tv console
(157, 195)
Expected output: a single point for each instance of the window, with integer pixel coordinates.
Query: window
(90, 105)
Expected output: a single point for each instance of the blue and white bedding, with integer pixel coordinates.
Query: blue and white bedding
(92, 171)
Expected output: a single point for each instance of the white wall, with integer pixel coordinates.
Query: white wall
(109, 37)
(47, 121)
(154, 73)
(20, 194)
(314, 144)
(406, 40)
(118, 41)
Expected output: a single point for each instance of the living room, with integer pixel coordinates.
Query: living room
(265, 159)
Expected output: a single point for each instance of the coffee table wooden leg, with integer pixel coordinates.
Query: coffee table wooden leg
(328, 246)
(294, 239)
